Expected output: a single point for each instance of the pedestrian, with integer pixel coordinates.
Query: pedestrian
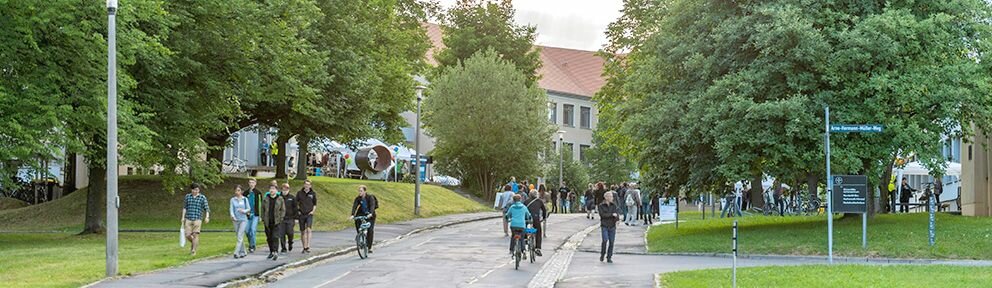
(289, 222)
(564, 195)
(938, 188)
(608, 215)
(906, 194)
(513, 184)
(633, 200)
(600, 193)
(306, 200)
(273, 215)
(590, 203)
(655, 208)
(240, 209)
(255, 199)
(539, 213)
(196, 212)
(622, 192)
(364, 205)
(555, 195)
(779, 199)
(503, 202)
(646, 208)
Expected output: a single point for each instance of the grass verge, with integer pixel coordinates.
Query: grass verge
(64, 259)
(834, 276)
(889, 236)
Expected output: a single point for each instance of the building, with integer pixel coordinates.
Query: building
(976, 192)
(570, 77)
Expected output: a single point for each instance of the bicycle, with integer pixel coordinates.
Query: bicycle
(363, 228)
(235, 166)
(530, 242)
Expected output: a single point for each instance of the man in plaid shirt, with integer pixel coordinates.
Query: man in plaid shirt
(195, 209)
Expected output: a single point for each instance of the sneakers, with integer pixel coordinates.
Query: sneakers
(274, 254)
(601, 258)
(538, 252)
(275, 257)
(609, 260)
(283, 251)
(251, 249)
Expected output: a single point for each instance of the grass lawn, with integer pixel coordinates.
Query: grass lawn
(834, 276)
(889, 235)
(66, 260)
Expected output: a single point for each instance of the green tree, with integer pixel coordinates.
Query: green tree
(473, 26)
(606, 163)
(724, 91)
(488, 124)
(576, 174)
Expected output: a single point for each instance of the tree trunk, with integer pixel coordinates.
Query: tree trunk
(757, 199)
(215, 149)
(95, 200)
(301, 158)
(883, 186)
(812, 181)
(69, 182)
(281, 156)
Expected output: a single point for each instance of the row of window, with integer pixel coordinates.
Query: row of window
(568, 113)
(568, 149)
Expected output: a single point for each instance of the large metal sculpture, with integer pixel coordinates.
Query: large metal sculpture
(374, 161)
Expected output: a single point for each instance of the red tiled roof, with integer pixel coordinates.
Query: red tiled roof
(563, 70)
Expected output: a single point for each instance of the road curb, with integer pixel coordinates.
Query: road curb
(813, 258)
(272, 274)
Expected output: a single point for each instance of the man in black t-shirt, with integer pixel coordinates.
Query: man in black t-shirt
(563, 197)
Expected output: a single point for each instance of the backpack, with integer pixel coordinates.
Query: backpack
(630, 200)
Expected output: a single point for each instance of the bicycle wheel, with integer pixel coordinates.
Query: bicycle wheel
(516, 257)
(530, 247)
(363, 249)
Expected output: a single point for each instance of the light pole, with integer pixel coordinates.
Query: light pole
(561, 165)
(112, 200)
(416, 137)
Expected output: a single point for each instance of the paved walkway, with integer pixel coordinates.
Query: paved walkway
(215, 271)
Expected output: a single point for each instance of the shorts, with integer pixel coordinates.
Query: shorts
(306, 222)
(192, 226)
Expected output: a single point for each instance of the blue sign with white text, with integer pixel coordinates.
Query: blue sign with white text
(857, 128)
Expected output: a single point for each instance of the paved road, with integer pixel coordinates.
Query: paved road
(468, 255)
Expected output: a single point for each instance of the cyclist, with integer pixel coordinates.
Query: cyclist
(539, 212)
(364, 205)
(518, 215)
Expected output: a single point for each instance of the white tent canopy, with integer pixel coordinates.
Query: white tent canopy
(916, 168)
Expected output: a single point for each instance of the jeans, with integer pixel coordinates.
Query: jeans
(566, 206)
(251, 231)
(273, 232)
(239, 231)
(632, 214)
(609, 236)
(287, 233)
(646, 211)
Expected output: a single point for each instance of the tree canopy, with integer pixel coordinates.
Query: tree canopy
(474, 26)
(488, 124)
(707, 92)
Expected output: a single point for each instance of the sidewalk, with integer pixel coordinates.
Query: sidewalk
(630, 239)
(216, 271)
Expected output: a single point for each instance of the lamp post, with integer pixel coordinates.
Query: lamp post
(416, 137)
(112, 200)
(561, 165)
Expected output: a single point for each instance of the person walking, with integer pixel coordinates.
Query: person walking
(289, 222)
(254, 199)
(240, 209)
(555, 195)
(273, 214)
(622, 192)
(538, 212)
(608, 215)
(906, 194)
(503, 202)
(646, 213)
(306, 200)
(364, 205)
(565, 195)
(589, 203)
(514, 185)
(633, 201)
(779, 198)
(196, 212)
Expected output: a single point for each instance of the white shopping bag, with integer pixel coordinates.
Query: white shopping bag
(182, 235)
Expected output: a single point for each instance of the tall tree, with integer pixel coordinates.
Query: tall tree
(575, 173)
(724, 90)
(488, 123)
(473, 26)
(606, 162)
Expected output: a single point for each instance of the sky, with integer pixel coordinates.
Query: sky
(575, 24)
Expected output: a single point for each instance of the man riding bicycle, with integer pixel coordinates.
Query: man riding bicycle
(365, 205)
(518, 216)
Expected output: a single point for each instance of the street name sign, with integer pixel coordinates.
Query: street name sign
(856, 128)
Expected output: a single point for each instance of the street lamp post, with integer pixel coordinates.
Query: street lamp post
(561, 165)
(112, 200)
(416, 199)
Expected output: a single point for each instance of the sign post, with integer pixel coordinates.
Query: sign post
(855, 191)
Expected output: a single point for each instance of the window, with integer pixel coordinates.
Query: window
(568, 113)
(553, 112)
(583, 150)
(585, 118)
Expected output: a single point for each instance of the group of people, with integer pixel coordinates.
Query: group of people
(279, 211)
(522, 204)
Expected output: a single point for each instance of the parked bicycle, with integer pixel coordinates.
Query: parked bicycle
(235, 166)
(360, 240)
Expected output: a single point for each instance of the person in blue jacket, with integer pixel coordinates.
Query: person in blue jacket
(519, 215)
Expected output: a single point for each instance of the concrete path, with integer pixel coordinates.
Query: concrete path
(216, 271)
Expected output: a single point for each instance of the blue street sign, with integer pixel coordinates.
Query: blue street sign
(855, 128)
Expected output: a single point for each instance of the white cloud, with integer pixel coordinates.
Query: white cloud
(576, 24)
